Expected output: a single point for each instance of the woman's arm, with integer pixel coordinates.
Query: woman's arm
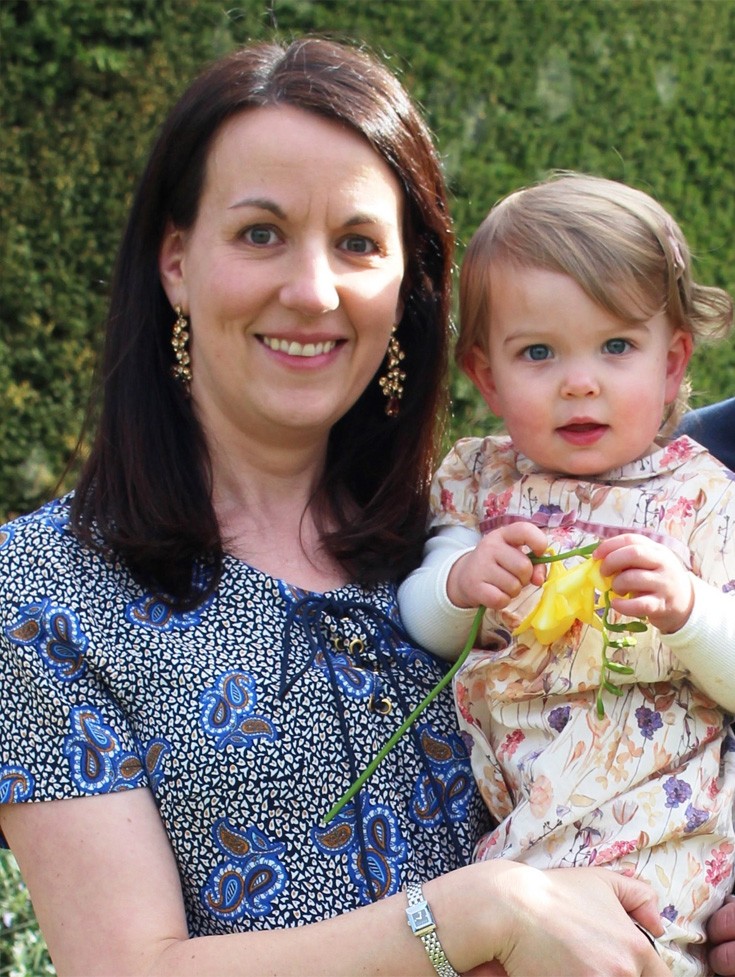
(105, 888)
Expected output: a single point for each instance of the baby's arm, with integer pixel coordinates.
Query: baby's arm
(427, 613)
(462, 571)
(697, 621)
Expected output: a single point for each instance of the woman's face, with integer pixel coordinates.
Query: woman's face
(290, 276)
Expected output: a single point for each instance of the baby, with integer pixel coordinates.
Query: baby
(578, 318)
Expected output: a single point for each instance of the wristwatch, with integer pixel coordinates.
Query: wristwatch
(422, 924)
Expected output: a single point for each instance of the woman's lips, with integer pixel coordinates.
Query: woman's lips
(294, 348)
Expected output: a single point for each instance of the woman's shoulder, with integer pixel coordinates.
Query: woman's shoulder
(714, 427)
(42, 525)
(42, 548)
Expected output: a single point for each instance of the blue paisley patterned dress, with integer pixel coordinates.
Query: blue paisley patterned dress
(247, 718)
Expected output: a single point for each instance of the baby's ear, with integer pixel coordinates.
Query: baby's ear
(476, 365)
(677, 360)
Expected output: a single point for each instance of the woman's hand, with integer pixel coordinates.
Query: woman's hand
(497, 569)
(655, 582)
(721, 934)
(575, 922)
(579, 927)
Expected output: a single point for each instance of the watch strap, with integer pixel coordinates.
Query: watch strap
(422, 923)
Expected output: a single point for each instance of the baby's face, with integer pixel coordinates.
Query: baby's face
(580, 390)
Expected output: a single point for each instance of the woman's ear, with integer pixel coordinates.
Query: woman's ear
(171, 266)
(677, 360)
(476, 365)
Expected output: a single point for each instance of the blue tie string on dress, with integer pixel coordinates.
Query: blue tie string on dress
(316, 615)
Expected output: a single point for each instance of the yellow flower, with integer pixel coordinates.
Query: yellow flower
(568, 594)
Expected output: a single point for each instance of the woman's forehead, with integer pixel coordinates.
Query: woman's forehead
(281, 153)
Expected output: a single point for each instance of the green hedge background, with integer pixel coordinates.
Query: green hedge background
(636, 90)
(639, 91)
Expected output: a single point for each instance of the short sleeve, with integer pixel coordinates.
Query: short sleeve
(453, 499)
(474, 481)
(62, 732)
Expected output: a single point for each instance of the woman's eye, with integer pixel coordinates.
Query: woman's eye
(357, 244)
(260, 235)
(617, 346)
(537, 352)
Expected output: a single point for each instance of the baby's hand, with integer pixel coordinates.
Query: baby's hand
(654, 580)
(497, 569)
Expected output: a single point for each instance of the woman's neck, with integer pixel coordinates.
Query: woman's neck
(263, 500)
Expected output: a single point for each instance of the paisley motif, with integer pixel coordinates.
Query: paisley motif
(227, 712)
(56, 515)
(56, 634)
(450, 785)
(335, 838)
(97, 760)
(16, 783)
(134, 770)
(150, 611)
(135, 717)
(252, 877)
(230, 840)
(355, 681)
(437, 749)
(24, 633)
(6, 534)
(374, 867)
(153, 758)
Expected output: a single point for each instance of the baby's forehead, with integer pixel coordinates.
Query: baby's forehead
(613, 282)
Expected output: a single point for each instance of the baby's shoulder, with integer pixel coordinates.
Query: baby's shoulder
(472, 455)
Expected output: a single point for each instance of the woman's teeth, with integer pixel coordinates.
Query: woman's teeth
(299, 349)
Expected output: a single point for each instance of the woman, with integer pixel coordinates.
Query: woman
(200, 648)
(714, 427)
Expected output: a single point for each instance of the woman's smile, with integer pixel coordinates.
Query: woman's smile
(294, 348)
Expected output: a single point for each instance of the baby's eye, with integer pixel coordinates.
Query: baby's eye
(260, 235)
(537, 352)
(359, 244)
(617, 346)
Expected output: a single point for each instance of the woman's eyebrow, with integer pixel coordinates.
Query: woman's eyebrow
(365, 218)
(264, 203)
(261, 203)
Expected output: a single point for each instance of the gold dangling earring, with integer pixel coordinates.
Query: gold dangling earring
(179, 339)
(392, 382)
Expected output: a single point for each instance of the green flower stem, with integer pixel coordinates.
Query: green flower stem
(377, 760)
(555, 557)
(607, 665)
(609, 630)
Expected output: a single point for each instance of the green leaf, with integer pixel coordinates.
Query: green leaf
(618, 668)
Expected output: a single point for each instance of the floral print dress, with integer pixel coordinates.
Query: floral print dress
(648, 788)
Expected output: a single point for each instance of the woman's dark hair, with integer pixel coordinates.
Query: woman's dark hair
(145, 490)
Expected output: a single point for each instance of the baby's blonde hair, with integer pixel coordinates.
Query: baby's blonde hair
(617, 243)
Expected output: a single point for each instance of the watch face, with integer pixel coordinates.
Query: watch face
(420, 917)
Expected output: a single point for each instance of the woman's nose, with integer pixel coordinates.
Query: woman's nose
(311, 288)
